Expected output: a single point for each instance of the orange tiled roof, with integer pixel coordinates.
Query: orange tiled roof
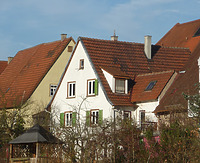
(3, 65)
(184, 83)
(181, 35)
(22, 76)
(130, 59)
(140, 95)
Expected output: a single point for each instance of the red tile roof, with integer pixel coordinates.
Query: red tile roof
(22, 76)
(140, 95)
(181, 35)
(3, 65)
(130, 59)
(184, 83)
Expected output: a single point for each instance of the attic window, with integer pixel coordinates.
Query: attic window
(197, 33)
(70, 48)
(150, 85)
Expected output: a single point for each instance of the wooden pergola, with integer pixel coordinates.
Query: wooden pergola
(35, 145)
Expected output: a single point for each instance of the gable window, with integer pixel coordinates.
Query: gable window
(52, 89)
(150, 86)
(68, 119)
(92, 87)
(70, 48)
(94, 117)
(71, 89)
(81, 64)
(127, 115)
(120, 86)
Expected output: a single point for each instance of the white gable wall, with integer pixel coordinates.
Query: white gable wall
(62, 104)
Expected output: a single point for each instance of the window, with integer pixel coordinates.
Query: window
(68, 119)
(81, 64)
(127, 115)
(142, 116)
(92, 86)
(70, 48)
(71, 89)
(120, 86)
(94, 117)
(52, 89)
(150, 85)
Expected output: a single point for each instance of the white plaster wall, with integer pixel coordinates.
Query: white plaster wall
(61, 103)
(110, 80)
(149, 107)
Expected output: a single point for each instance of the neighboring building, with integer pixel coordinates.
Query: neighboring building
(106, 78)
(182, 35)
(174, 103)
(3, 65)
(33, 74)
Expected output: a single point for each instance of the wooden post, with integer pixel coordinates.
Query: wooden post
(37, 152)
(11, 152)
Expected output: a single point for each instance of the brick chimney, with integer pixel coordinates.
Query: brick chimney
(114, 37)
(147, 46)
(9, 59)
(63, 36)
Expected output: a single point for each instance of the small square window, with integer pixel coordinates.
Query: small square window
(81, 64)
(52, 89)
(71, 89)
(120, 86)
(150, 85)
(70, 48)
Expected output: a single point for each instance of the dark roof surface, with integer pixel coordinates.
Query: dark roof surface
(22, 76)
(35, 134)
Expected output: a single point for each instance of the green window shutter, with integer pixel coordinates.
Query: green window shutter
(100, 117)
(62, 115)
(96, 87)
(74, 119)
(88, 118)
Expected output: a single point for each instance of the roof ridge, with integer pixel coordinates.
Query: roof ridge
(97, 39)
(190, 22)
(171, 47)
(156, 73)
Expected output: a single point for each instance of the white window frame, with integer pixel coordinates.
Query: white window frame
(71, 92)
(91, 87)
(81, 66)
(52, 89)
(68, 119)
(118, 91)
(142, 112)
(94, 117)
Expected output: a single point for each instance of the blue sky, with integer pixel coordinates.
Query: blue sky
(26, 23)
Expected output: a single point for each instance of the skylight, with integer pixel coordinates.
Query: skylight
(150, 85)
(197, 33)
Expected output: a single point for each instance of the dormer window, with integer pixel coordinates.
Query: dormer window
(150, 86)
(81, 64)
(120, 85)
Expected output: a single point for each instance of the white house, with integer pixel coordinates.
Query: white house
(102, 77)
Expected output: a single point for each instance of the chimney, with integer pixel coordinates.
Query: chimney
(147, 46)
(63, 36)
(114, 37)
(9, 59)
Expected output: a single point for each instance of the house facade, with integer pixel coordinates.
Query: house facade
(108, 78)
(174, 104)
(31, 78)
